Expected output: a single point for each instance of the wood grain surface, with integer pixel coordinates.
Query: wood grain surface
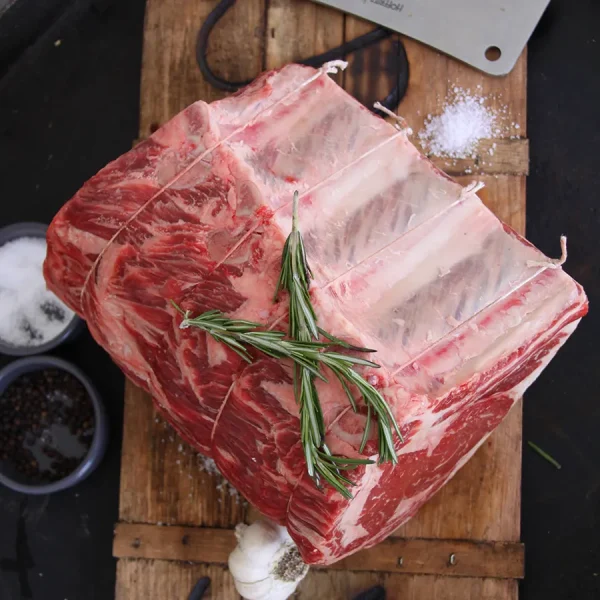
(168, 580)
(161, 478)
(452, 558)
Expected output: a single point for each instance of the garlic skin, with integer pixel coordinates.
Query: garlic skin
(266, 564)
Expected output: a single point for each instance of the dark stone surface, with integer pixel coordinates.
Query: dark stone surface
(561, 509)
(66, 111)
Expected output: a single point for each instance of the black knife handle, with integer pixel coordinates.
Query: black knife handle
(200, 588)
(374, 593)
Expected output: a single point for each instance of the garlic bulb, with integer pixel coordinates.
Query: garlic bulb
(266, 564)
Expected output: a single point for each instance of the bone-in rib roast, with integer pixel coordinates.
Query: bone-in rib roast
(463, 312)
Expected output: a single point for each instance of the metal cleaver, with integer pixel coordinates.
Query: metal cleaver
(487, 34)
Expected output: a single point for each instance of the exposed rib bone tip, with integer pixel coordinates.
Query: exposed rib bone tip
(563, 251)
(401, 124)
(333, 65)
(553, 263)
(472, 188)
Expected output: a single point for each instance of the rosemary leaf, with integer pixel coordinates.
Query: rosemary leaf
(345, 463)
(365, 437)
(545, 455)
(339, 342)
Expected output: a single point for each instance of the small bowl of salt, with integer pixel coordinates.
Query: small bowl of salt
(32, 319)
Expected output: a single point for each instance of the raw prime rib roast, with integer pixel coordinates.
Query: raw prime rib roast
(463, 312)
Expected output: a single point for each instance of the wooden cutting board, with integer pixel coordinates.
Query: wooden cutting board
(175, 519)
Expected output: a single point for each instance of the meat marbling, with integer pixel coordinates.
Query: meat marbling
(464, 312)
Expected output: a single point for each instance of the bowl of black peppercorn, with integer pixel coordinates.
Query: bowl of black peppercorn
(53, 425)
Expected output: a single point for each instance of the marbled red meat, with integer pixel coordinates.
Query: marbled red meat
(464, 313)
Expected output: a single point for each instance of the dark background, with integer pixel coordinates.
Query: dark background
(66, 110)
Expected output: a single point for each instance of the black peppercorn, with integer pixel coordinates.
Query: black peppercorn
(33, 409)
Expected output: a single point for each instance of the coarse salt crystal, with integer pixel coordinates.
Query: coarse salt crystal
(209, 465)
(30, 314)
(456, 132)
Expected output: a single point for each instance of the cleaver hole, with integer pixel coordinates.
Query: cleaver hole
(493, 53)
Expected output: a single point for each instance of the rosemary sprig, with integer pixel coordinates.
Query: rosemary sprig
(237, 334)
(307, 355)
(295, 277)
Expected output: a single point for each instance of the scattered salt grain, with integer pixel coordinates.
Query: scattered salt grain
(209, 466)
(29, 314)
(456, 132)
